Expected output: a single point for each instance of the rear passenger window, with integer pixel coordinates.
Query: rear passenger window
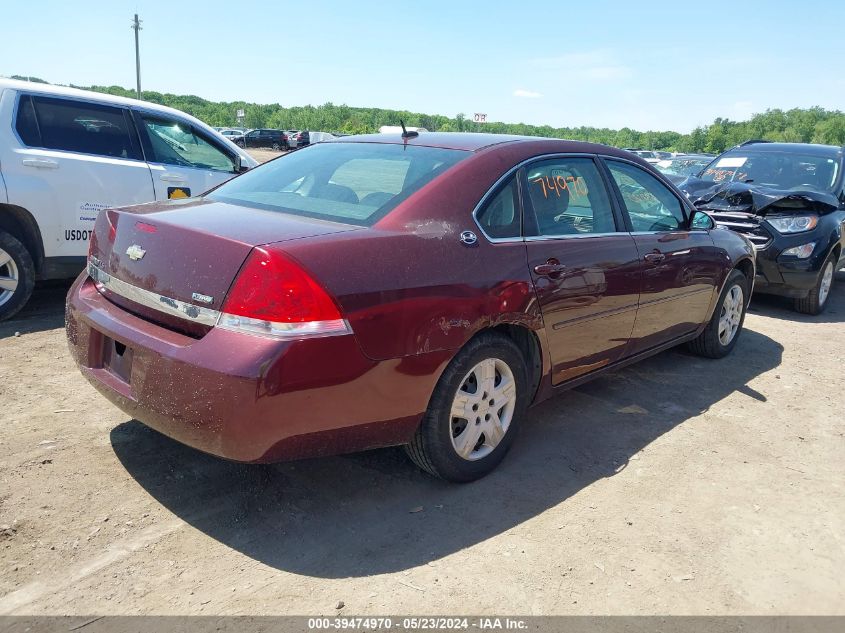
(499, 217)
(77, 126)
(25, 123)
(650, 204)
(568, 197)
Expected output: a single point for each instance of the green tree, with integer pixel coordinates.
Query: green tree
(830, 132)
(798, 124)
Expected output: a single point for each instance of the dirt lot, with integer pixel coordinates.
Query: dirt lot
(263, 155)
(676, 486)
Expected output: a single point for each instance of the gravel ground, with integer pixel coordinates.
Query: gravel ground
(263, 155)
(677, 486)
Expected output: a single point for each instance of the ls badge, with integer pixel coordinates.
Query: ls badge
(135, 252)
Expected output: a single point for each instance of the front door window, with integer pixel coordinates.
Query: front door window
(176, 143)
(680, 268)
(650, 204)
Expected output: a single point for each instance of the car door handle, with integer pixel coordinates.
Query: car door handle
(654, 258)
(41, 163)
(551, 267)
(172, 178)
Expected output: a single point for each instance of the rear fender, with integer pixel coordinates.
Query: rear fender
(413, 293)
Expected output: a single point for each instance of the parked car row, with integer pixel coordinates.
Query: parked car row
(650, 156)
(279, 140)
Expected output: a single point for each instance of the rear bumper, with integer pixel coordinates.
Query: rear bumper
(249, 398)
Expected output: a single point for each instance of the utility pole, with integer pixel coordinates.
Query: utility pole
(136, 26)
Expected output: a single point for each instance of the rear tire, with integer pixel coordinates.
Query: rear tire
(17, 275)
(469, 445)
(816, 301)
(722, 332)
(276, 147)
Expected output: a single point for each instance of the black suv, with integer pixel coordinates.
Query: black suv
(274, 139)
(788, 199)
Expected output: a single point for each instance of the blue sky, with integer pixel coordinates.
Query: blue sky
(645, 65)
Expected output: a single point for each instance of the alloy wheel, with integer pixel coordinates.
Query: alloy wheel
(482, 409)
(827, 282)
(731, 315)
(9, 277)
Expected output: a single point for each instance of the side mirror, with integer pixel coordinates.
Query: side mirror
(701, 220)
(239, 166)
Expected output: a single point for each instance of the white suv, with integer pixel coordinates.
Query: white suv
(66, 154)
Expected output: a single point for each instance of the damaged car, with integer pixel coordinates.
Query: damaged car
(788, 199)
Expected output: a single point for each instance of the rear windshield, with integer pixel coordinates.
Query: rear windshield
(780, 170)
(355, 183)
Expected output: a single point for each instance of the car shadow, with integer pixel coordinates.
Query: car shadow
(44, 311)
(781, 307)
(374, 512)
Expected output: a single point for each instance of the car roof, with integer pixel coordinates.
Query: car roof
(89, 95)
(803, 148)
(473, 142)
(35, 87)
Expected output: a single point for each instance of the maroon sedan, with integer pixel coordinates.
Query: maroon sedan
(381, 290)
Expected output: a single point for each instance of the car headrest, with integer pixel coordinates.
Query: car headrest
(338, 193)
(376, 199)
(548, 202)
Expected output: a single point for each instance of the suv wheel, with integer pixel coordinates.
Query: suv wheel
(725, 326)
(815, 302)
(474, 412)
(17, 275)
(276, 146)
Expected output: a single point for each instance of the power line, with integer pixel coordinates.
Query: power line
(136, 26)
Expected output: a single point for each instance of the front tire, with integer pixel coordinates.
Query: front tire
(474, 412)
(722, 332)
(17, 275)
(816, 301)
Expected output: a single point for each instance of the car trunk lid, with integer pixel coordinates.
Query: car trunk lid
(173, 263)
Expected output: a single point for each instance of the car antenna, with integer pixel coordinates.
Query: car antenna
(405, 133)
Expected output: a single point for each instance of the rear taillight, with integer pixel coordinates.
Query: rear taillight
(273, 296)
(111, 219)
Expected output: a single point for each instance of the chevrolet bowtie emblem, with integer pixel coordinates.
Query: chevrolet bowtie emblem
(135, 252)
